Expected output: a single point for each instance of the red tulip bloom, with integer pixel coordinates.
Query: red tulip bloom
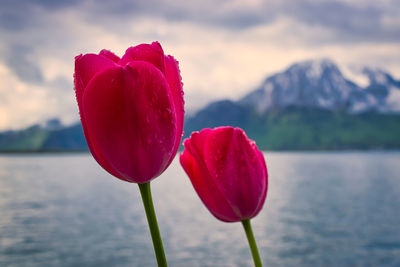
(227, 171)
(131, 110)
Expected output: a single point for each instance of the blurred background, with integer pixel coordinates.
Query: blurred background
(315, 83)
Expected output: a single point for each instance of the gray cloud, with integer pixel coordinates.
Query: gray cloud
(21, 14)
(47, 4)
(18, 60)
(363, 23)
(357, 21)
(216, 13)
(61, 83)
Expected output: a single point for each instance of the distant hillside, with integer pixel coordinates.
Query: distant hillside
(30, 139)
(303, 129)
(310, 105)
(39, 138)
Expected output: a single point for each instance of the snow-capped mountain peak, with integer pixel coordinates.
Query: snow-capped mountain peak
(321, 84)
(314, 68)
(379, 76)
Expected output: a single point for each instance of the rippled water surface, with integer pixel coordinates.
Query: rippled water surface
(322, 209)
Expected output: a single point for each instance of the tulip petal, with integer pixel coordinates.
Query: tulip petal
(87, 66)
(192, 160)
(174, 79)
(145, 52)
(83, 73)
(197, 142)
(110, 55)
(254, 169)
(232, 160)
(265, 182)
(129, 115)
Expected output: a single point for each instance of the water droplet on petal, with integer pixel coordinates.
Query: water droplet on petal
(154, 98)
(167, 113)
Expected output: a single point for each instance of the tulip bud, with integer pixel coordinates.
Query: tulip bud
(131, 110)
(227, 171)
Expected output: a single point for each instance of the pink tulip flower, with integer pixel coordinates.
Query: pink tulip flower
(131, 110)
(227, 171)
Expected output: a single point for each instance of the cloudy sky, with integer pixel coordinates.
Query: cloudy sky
(225, 48)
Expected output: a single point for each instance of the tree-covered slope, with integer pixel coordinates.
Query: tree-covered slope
(30, 139)
(38, 138)
(299, 128)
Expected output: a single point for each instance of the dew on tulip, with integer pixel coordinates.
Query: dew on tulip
(167, 113)
(129, 95)
(233, 182)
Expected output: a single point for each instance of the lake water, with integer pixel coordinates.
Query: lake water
(322, 209)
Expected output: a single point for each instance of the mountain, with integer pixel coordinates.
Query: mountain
(29, 139)
(383, 89)
(311, 105)
(320, 84)
(50, 137)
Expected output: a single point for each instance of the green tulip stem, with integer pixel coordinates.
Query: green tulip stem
(252, 242)
(152, 220)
